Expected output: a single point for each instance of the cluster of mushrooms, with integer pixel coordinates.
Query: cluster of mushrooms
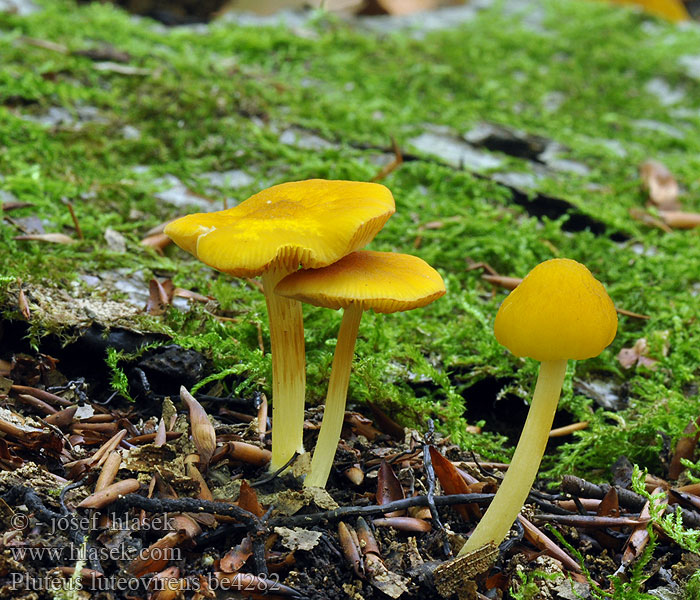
(304, 240)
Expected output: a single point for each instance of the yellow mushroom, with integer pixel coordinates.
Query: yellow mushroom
(384, 282)
(558, 312)
(304, 223)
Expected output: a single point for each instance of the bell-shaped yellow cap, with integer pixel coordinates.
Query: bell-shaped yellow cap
(559, 311)
(309, 223)
(385, 282)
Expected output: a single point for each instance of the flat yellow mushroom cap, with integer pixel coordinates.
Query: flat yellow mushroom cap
(309, 223)
(559, 311)
(385, 282)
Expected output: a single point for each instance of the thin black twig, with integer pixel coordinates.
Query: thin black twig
(209, 538)
(585, 489)
(512, 541)
(376, 509)
(67, 488)
(430, 481)
(253, 524)
(66, 521)
(271, 476)
(483, 470)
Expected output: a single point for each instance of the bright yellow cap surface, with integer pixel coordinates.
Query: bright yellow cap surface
(385, 282)
(309, 223)
(559, 311)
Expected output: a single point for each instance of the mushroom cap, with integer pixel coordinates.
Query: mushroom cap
(559, 311)
(385, 282)
(309, 223)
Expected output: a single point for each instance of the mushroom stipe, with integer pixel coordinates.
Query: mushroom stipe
(385, 282)
(559, 311)
(302, 223)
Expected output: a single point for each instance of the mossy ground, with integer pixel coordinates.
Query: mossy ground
(219, 100)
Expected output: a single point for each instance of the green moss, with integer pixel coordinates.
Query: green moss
(220, 101)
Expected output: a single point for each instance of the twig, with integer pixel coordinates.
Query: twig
(73, 216)
(18, 494)
(67, 488)
(253, 524)
(395, 163)
(271, 476)
(376, 509)
(582, 488)
(430, 479)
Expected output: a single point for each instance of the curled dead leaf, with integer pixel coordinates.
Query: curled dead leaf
(157, 555)
(160, 296)
(389, 487)
(203, 434)
(404, 524)
(111, 493)
(53, 238)
(677, 219)
(659, 184)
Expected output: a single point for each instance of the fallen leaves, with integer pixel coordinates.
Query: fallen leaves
(51, 238)
(636, 355)
(663, 192)
(203, 434)
(660, 185)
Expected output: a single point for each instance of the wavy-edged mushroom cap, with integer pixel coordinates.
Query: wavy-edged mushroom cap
(385, 282)
(559, 311)
(309, 223)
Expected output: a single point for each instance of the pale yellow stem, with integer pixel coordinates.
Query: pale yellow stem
(334, 412)
(514, 489)
(288, 371)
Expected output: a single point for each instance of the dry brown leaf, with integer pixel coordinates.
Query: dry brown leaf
(234, 559)
(109, 471)
(636, 355)
(166, 585)
(509, 283)
(22, 302)
(538, 539)
(157, 555)
(351, 548)
(247, 453)
(161, 435)
(248, 500)
(361, 425)
(644, 217)
(410, 524)
(680, 220)
(113, 67)
(160, 295)
(105, 52)
(53, 238)
(685, 448)
(660, 185)
(157, 241)
(637, 540)
(111, 493)
(452, 482)
(389, 487)
(63, 418)
(355, 475)
(203, 434)
(190, 295)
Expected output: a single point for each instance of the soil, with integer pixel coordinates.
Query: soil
(53, 468)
